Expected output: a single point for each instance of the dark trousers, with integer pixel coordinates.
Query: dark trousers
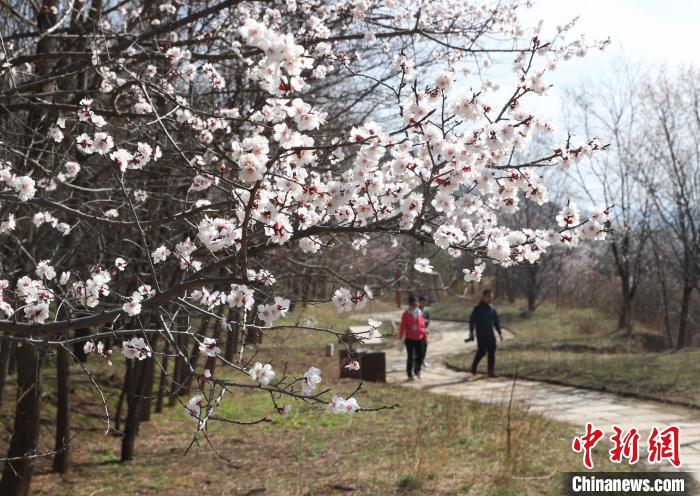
(416, 353)
(484, 347)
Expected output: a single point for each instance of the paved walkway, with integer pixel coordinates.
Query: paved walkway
(563, 403)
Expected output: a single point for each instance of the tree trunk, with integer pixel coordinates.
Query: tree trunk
(218, 327)
(163, 377)
(12, 366)
(182, 378)
(61, 458)
(625, 321)
(17, 474)
(187, 376)
(78, 348)
(532, 289)
(149, 366)
(133, 417)
(5, 352)
(683, 317)
(232, 336)
(128, 371)
(177, 374)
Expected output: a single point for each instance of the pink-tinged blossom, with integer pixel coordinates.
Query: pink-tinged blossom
(423, 265)
(341, 405)
(240, 296)
(121, 158)
(8, 225)
(143, 108)
(37, 313)
(133, 305)
(312, 378)
(475, 274)
(136, 348)
(342, 299)
(25, 188)
(160, 254)
(262, 373)
(102, 143)
(72, 169)
(193, 409)
(45, 271)
(269, 313)
(99, 349)
(498, 249)
(217, 234)
(85, 144)
(208, 347)
(569, 216)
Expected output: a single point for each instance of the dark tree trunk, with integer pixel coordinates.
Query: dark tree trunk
(252, 335)
(61, 458)
(17, 475)
(232, 336)
(681, 342)
(78, 348)
(128, 371)
(532, 287)
(625, 321)
(163, 377)
(149, 366)
(187, 376)
(12, 366)
(218, 327)
(133, 418)
(182, 379)
(5, 352)
(177, 371)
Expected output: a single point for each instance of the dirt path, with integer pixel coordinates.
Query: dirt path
(563, 403)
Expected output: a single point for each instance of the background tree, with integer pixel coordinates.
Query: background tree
(611, 109)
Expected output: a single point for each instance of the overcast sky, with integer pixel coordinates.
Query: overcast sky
(647, 32)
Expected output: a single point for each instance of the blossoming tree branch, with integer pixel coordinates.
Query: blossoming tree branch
(165, 164)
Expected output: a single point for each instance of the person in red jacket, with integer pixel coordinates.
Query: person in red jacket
(412, 332)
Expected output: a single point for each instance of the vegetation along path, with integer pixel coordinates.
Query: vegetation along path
(563, 403)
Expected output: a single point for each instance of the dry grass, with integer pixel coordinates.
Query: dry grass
(430, 445)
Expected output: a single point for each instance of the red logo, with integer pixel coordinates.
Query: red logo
(626, 445)
(586, 443)
(665, 445)
(662, 445)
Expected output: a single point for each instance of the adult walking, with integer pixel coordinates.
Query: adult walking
(412, 333)
(484, 319)
(423, 305)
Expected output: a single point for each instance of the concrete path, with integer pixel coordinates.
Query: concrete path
(563, 403)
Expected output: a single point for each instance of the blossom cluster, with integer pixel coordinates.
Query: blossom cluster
(229, 150)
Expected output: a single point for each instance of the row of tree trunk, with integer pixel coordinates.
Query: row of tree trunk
(174, 379)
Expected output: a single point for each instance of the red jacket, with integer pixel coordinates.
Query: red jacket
(412, 327)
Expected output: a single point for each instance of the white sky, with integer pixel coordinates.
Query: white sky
(646, 32)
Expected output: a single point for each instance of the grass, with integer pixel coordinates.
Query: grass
(430, 444)
(581, 347)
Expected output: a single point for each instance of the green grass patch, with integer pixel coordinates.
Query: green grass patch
(581, 347)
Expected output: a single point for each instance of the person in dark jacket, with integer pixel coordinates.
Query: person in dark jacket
(423, 305)
(484, 319)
